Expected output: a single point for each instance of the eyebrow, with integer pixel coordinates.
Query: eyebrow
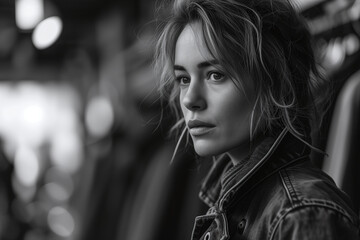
(200, 65)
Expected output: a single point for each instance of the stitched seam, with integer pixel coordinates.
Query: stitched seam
(229, 176)
(206, 199)
(213, 216)
(226, 236)
(291, 187)
(274, 172)
(286, 189)
(332, 206)
(269, 175)
(197, 219)
(269, 152)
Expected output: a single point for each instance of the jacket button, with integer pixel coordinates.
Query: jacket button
(207, 236)
(241, 226)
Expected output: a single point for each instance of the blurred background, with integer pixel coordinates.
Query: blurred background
(84, 151)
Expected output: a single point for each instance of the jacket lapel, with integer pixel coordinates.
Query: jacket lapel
(272, 154)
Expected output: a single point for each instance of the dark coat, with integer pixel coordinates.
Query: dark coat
(276, 194)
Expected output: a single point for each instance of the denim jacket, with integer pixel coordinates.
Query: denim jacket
(275, 194)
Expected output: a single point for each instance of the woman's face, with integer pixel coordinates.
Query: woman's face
(216, 112)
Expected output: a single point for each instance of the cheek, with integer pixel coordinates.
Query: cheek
(182, 107)
(235, 107)
(236, 114)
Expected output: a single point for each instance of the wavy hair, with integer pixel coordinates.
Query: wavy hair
(267, 39)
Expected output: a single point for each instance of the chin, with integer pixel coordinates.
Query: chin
(206, 151)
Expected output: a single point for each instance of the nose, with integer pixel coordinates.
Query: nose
(194, 98)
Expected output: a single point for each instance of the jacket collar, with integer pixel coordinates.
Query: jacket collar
(272, 154)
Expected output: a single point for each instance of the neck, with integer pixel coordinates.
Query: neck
(242, 153)
(239, 154)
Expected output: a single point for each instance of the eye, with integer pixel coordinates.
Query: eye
(183, 80)
(216, 76)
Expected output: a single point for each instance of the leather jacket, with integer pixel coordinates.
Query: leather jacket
(276, 194)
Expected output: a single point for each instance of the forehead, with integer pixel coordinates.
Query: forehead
(191, 45)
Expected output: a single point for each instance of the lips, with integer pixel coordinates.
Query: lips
(198, 128)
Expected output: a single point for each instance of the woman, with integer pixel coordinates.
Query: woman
(240, 76)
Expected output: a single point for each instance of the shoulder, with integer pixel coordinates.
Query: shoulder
(306, 185)
(313, 222)
(315, 208)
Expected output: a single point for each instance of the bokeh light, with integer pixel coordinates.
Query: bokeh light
(61, 221)
(28, 13)
(66, 151)
(99, 116)
(59, 184)
(47, 32)
(25, 193)
(351, 43)
(27, 166)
